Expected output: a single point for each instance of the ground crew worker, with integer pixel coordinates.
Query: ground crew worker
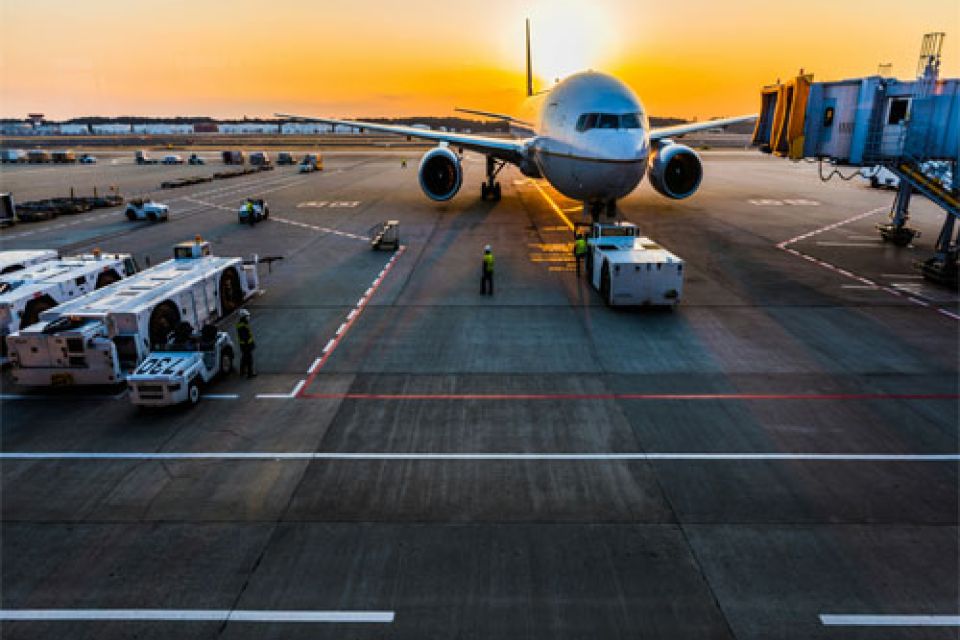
(579, 250)
(247, 344)
(486, 273)
(249, 208)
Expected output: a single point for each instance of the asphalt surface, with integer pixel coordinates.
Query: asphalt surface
(527, 465)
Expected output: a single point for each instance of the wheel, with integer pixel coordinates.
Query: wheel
(231, 295)
(193, 392)
(266, 212)
(496, 191)
(106, 278)
(152, 216)
(226, 362)
(874, 182)
(163, 319)
(483, 191)
(33, 309)
(131, 215)
(605, 283)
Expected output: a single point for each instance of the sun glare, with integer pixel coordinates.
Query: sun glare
(569, 37)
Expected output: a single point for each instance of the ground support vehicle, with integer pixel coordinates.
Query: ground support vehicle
(147, 210)
(285, 158)
(233, 157)
(17, 259)
(142, 157)
(630, 269)
(88, 159)
(260, 159)
(103, 336)
(261, 211)
(178, 371)
(15, 156)
(26, 294)
(311, 162)
(8, 210)
(195, 159)
(38, 156)
(172, 159)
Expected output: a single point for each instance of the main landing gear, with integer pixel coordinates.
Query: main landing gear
(490, 190)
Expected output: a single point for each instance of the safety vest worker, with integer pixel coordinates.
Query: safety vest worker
(486, 274)
(579, 250)
(246, 342)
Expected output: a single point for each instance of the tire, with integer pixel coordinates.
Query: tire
(496, 192)
(226, 362)
(152, 216)
(605, 283)
(33, 309)
(107, 278)
(483, 192)
(131, 215)
(164, 318)
(266, 212)
(874, 182)
(589, 264)
(193, 392)
(231, 293)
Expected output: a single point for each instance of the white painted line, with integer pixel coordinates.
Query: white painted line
(298, 388)
(497, 457)
(361, 301)
(848, 620)
(351, 315)
(220, 396)
(313, 367)
(859, 286)
(920, 302)
(197, 615)
(341, 329)
(273, 396)
(823, 243)
(367, 293)
(329, 346)
(949, 314)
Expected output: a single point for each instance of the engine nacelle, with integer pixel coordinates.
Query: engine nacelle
(440, 174)
(675, 171)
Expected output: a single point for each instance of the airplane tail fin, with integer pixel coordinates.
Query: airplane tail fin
(529, 65)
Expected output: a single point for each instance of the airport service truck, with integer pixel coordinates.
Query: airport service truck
(106, 334)
(26, 294)
(630, 269)
(176, 372)
(17, 259)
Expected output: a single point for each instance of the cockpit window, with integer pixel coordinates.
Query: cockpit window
(589, 121)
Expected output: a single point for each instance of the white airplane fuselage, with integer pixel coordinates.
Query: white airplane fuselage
(601, 163)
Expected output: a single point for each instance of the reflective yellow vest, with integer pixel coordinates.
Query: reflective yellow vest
(488, 262)
(580, 247)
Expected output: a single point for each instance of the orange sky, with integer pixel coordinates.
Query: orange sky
(698, 58)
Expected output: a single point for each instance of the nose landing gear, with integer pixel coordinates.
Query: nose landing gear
(596, 208)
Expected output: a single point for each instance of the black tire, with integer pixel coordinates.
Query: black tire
(107, 278)
(496, 192)
(193, 392)
(164, 319)
(589, 263)
(483, 191)
(266, 212)
(152, 216)
(33, 309)
(231, 293)
(131, 215)
(605, 283)
(874, 182)
(226, 362)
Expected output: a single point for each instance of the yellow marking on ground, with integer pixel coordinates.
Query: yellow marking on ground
(553, 205)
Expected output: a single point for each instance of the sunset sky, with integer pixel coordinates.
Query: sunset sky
(698, 58)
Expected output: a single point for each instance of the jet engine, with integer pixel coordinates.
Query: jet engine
(675, 171)
(440, 174)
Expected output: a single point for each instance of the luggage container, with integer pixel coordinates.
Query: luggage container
(12, 156)
(38, 156)
(233, 157)
(105, 335)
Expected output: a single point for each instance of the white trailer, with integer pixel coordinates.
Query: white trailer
(630, 269)
(105, 335)
(17, 259)
(26, 294)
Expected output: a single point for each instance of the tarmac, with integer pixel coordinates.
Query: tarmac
(777, 457)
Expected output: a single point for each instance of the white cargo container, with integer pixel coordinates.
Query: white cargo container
(26, 294)
(17, 259)
(630, 269)
(103, 336)
(13, 155)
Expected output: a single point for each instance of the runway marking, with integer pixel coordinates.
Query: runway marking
(320, 229)
(196, 615)
(873, 245)
(220, 396)
(634, 396)
(553, 205)
(345, 327)
(286, 456)
(914, 298)
(282, 396)
(858, 620)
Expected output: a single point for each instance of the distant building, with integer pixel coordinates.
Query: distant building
(74, 129)
(110, 129)
(162, 128)
(249, 127)
(304, 128)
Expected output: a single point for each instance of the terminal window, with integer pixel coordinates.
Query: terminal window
(898, 110)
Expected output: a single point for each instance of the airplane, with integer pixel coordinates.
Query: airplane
(593, 144)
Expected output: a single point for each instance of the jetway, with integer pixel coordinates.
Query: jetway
(909, 127)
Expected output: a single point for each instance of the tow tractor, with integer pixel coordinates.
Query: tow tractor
(261, 211)
(630, 269)
(176, 372)
(140, 209)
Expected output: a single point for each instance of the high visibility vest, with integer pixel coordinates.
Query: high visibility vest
(244, 334)
(249, 207)
(488, 262)
(580, 247)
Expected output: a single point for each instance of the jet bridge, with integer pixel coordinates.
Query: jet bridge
(909, 127)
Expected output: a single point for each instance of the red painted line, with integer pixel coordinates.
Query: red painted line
(631, 396)
(345, 327)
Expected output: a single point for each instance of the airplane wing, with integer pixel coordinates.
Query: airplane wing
(681, 129)
(503, 149)
(491, 114)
